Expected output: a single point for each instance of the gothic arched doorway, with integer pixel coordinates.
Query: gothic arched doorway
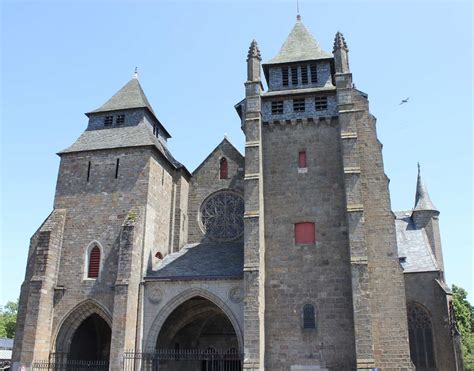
(91, 341)
(84, 337)
(200, 336)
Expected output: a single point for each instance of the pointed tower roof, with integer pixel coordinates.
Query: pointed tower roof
(300, 45)
(422, 198)
(131, 95)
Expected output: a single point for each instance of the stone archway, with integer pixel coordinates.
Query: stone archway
(200, 336)
(197, 324)
(172, 305)
(84, 334)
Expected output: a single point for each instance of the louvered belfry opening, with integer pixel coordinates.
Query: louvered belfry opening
(94, 263)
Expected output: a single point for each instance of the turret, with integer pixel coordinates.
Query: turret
(425, 216)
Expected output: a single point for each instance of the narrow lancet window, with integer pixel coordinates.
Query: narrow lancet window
(223, 169)
(88, 171)
(302, 164)
(117, 163)
(94, 263)
(309, 318)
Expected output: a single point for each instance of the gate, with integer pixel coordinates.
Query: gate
(184, 359)
(60, 362)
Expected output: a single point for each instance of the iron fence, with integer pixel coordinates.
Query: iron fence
(183, 359)
(60, 362)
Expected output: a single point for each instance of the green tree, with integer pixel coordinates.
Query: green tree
(8, 315)
(465, 323)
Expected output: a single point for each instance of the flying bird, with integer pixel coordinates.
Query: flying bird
(404, 101)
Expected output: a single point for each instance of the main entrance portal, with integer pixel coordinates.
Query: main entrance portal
(198, 336)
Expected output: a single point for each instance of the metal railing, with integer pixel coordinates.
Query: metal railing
(184, 359)
(60, 362)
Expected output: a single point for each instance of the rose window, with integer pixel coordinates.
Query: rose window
(222, 216)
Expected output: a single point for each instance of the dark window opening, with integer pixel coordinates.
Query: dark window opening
(302, 160)
(223, 168)
(108, 121)
(284, 76)
(321, 103)
(277, 108)
(94, 263)
(314, 73)
(117, 163)
(298, 105)
(309, 319)
(159, 255)
(88, 171)
(305, 233)
(120, 119)
(294, 75)
(420, 335)
(304, 74)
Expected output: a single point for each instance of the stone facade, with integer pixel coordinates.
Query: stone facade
(141, 255)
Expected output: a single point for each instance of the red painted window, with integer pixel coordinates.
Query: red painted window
(305, 233)
(94, 263)
(159, 255)
(302, 159)
(223, 168)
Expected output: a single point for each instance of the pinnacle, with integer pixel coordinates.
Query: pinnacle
(254, 52)
(340, 42)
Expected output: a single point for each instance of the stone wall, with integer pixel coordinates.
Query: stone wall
(423, 288)
(316, 274)
(206, 181)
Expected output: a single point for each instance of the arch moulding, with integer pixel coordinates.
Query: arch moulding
(73, 319)
(164, 313)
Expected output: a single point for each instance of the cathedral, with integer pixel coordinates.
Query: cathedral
(285, 257)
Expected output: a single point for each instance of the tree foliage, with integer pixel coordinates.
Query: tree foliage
(8, 315)
(465, 323)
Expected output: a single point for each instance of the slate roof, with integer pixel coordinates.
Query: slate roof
(413, 246)
(299, 46)
(131, 95)
(211, 260)
(422, 198)
(121, 137)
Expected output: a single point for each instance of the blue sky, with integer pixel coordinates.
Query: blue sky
(61, 59)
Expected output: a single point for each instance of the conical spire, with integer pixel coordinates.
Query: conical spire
(131, 95)
(422, 198)
(299, 46)
(339, 42)
(254, 51)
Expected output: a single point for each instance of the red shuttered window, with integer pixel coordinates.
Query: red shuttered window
(302, 160)
(223, 168)
(94, 263)
(305, 233)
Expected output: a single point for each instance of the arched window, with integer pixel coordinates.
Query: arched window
(94, 263)
(223, 168)
(159, 255)
(309, 318)
(420, 334)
